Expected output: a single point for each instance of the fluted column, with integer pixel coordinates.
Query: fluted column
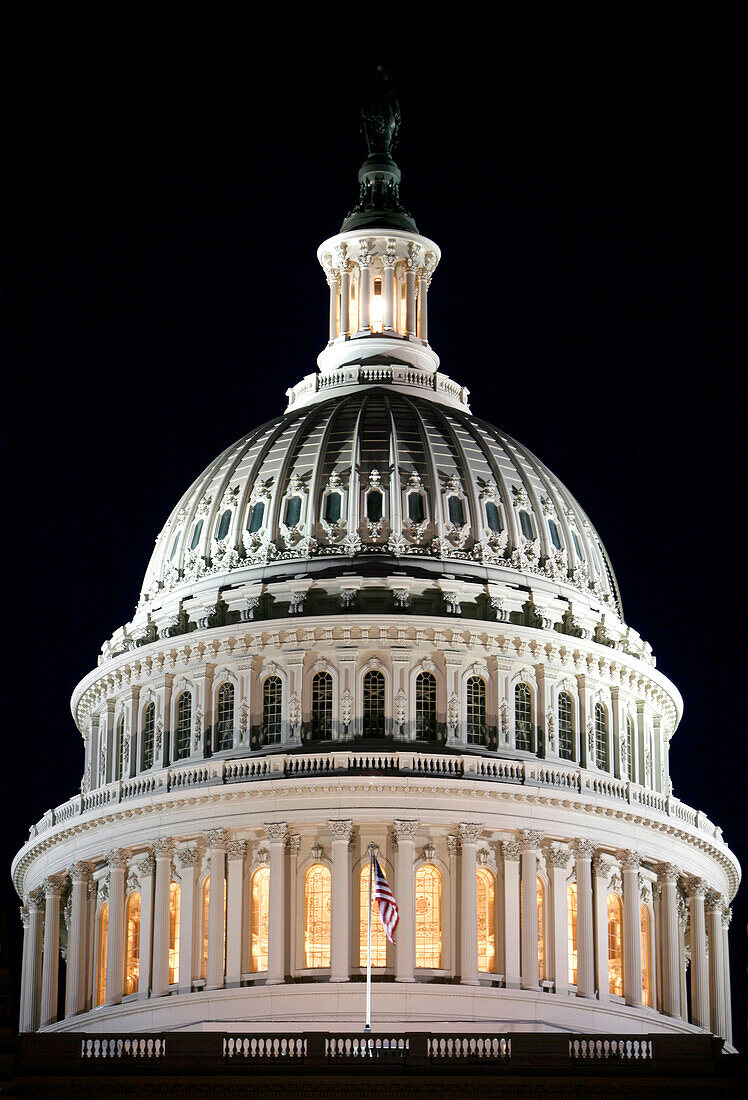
(388, 287)
(510, 849)
(600, 873)
(364, 308)
(234, 915)
(333, 280)
(217, 843)
(75, 981)
(453, 851)
(276, 834)
(293, 843)
(344, 267)
(583, 851)
(559, 861)
(53, 888)
(528, 843)
(423, 286)
(115, 959)
(23, 1018)
(716, 962)
(163, 849)
(469, 834)
(145, 867)
(668, 878)
(632, 929)
(699, 964)
(188, 860)
(340, 932)
(410, 290)
(34, 982)
(726, 918)
(405, 832)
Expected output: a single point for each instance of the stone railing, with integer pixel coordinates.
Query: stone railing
(136, 1046)
(354, 374)
(620, 1047)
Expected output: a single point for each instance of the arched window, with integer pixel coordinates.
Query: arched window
(101, 953)
(571, 931)
(223, 525)
(132, 943)
(577, 547)
(540, 893)
(374, 505)
(373, 724)
(493, 517)
(428, 917)
(601, 737)
(526, 524)
(225, 718)
(378, 937)
(522, 717)
(197, 531)
(416, 511)
(260, 894)
(149, 725)
(184, 726)
(317, 901)
(426, 706)
(456, 511)
(615, 944)
(555, 539)
(321, 706)
(204, 924)
(475, 699)
(272, 710)
(486, 887)
(174, 545)
(646, 957)
(630, 739)
(175, 905)
(121, 749)
(293, 511)
(332, 507)
(256, 517)
(565, 728)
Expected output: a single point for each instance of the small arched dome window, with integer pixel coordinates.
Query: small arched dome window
(317, 903)
(260, 918)
(132, 943)
(526, 524)
(601, 737)
(565, 728)
(321, 706)
(522, 717)
(174, 546)
(456, 511)
(272, 710)
(293, 511)
(374, 505)
(256, 517)
(149, 725)
(493, 517)
(476, 710)
(224, 524)
(225, 722)
(486, 887)
(184, 726)
(555, 538)
(374, 718)
(197, 531)
(416, 510)
(615, 945)
(577, 547)
(426, 706)
(429, 917)
(332, 507)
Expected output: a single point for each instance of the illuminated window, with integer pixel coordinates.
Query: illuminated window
(225, 717)
(256, 517)
(132, 943)
(428, 917)
(646, 964)
(374, 505)
(317, 900)
(416, 511)
(378, 937)
(403, 309)
(615, 944)
(373, 724)
(184, 726)
(493, 518)
(377, 308)
(571, 928)
(321, 706)
(456, 511)
(175, 900)
(122, 748)
(565, 728)
(522, 717)
(149, 725)
(204, 922)
(224, 524)
(272, 710)
(554, 534)
(630, 736)
(196, 535)
(260, 891)
(476, 710)
(332, 508)
(426, 706)
(526, 524)
(601, 737)
(540, 893)
(101, 953)
(293, 511)
(486, 921)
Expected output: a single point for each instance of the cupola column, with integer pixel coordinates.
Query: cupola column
(345, 289)
(469, 834)
(410, 289)
(75, 988)
(559, 858)
(217, 842)
(164, 849)
(670, 940)
(632, 930)
(405, 832)
(716, 962)
(528, 843)
(388, 287)
(364, 311)
(51, 958)
(333, 281)
(34, 977)
(115, 965)
(510, 850)
(276, 834)
(188, 860)
(340, 932)
(423, 321)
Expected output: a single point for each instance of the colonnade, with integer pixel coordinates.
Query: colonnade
(540, 942)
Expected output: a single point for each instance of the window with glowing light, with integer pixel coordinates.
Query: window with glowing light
(565, 727)
(428, 917)
(475, 699)
(571, 931)
(184, 726)
(321, 706)
(426, 706)
(272, 710)
(540, 895)
(225, 717)
(601, 737)
(101, 953)
(149, 726)
(646, 957)
(377, 308)
(615, 944)
(204, 923)
(522, 717)
(378, 936)
(373, 721)
(486, 887)
(175, 905)
(317, 908)
(132, 943)
(260, 915)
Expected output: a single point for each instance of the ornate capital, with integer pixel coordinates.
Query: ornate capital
(668, 872)
(582, 849)
(276, 831)
(600, 866)
(145, 866)
(80, 872)
(293, 843)
(116, 860)
(453, 844)
(218, 839)
(696, 888)
(405, 829)
(36, 899)
(630, 861)
(24, 914)
(726, 915)
(559, 857)
(54, 885)
(470, 832)
(713, 901)
(510, 849)
(188, 857)
(236, 849)
(163, 847)
(341, 829)
(529, 840)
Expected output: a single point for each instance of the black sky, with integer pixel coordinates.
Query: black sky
(161, 292)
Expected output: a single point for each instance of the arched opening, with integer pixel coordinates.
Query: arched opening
(601, 737)
(225, 717)
(428, 917)
(184, 726)
(542, 954)
(272, 710)
(565, 727)
(260, 918)
(477, 731)
(486, 887)
(175, 905)
(132, 943)
(373, 720)
(204, 922)
(317, 916)
(101, 953)
(321, 726)
(149, 726)
(615, 944)
(378, 935)
(646, 956)
(426, 706)
(522, 718)
(571, 931)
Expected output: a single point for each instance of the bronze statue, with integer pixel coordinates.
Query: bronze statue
(380, 115)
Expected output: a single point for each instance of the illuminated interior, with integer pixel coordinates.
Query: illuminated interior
(317, 903)
(615, 944)
(132, 944)
(571, 926)
(204, 915)
(377, 308)
(646, 975)
(428, 917)
(486, 921)
(540, 891)
(260, 890)
(378, 936)
(102, 953)
(175, 899)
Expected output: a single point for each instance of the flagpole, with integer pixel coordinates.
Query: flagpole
(367, 1026)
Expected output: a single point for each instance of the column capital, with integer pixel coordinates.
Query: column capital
(600, 866)
(726, 915)
(510, 849)
(164, 847)
(341, 829)
(559, 857)
(582, 849)
(293, 843)
(405, 829)
(36, 899)
(696, 888)
(80, 872)
(470, 832)
(188, 857)
(218, 839)
(54, 885)
(276, 831)
(23, 912)
(630, 861)
(453, 844)
(236, 849)
(145, 865)
(529, 840)
(116, 860)
(713, 901)
(668, 872)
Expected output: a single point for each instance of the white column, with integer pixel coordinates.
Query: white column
(340, 935)
(453, 849)
(423, 321)
(669, 937)
(163, 848)
(276, 834)
(559, 861)
(726, 918)
(388, 288)
(234, 912)
(188, 860)
(145, 868)
(23, 1019)
(115, 959)
(34, 984)
(583, 851)
(293, 842)
(510, 850)
(632, 929)
(333, 282)
(364, 309)
(528, 843)
(600, 873)
(469, 834)
(716, 962)
(217, 842)
(405, 832)
(75, 982)
(53, 888)
(410, 290)
(699, 964)
(345, 293)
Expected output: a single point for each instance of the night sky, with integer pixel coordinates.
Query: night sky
(161, 292)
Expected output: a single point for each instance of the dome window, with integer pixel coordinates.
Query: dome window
(256, 517)
(554, 534)
(416, 511)
(196, 534)
(174, 546)
(224, 524)
(577, 547)
(293, 511)
(332, 508)
(456, 511)
(493, 519)
(526, 524)
(374, 505)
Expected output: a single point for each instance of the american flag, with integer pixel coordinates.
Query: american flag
(381, 893)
